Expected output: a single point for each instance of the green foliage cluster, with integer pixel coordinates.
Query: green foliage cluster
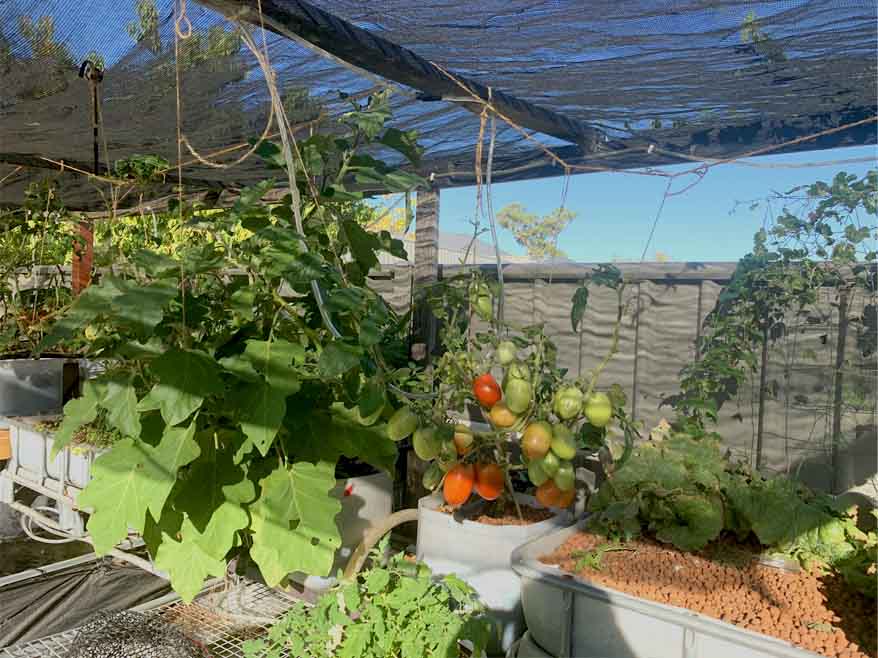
(396, 610)
(37, 233)
(683, 491)
(539, 235)
(234, 398)
(822, 244)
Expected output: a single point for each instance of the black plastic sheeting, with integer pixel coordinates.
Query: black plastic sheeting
(62, 600)
(602, 80)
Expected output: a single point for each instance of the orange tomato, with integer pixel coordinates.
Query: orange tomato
(501, 416)
(458, 484)
(548, 494)
(487, 390)
(489, 481)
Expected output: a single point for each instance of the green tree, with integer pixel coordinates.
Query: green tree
(539, 235)
(40, 34)
(145, 29)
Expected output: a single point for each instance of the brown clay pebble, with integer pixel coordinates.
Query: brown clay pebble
(507, 514)
(813, 611)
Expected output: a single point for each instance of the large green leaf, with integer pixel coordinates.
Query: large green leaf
(293, 521)
(185, 377)
(142, 308)
(131, 478)
(118, 397)
(275, 359)
(77, 412)
(362, 244)
(321, 435)
(186, 562)
(263, 412)
(95, 300)
(337, 358)
(212, 497)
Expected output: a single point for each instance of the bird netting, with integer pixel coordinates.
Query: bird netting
(631, 83)
(130, 634)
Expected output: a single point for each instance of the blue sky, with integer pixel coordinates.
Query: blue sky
(616, 211)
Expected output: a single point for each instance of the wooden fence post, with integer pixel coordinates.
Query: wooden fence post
(426, 273)
(837, 397)
(424, 337)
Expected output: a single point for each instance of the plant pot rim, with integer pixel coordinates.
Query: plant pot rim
(432, 502)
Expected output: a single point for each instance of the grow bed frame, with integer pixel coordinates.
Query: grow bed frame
(222, 634)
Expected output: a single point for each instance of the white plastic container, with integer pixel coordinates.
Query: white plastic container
(526, 648)
(365, 500)
(31, 386)
(31, 466)
(569, 617)
(480, 554)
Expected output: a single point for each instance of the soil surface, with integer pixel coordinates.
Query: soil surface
(506, 514)
(815, 612)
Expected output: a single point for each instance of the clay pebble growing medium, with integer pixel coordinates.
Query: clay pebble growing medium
(506, 514)
(815, 612)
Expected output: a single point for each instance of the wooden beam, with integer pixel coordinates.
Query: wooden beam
(298, 19)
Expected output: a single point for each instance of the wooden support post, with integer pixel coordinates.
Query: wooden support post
(410, 469)
(763, 383)
(426, 274)
(838, 397)
(83, 250)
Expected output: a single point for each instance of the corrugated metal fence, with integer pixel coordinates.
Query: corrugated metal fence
(665, 307)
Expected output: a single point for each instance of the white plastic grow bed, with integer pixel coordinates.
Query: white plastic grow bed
(480, 554)
(31, 465)
(567, 616)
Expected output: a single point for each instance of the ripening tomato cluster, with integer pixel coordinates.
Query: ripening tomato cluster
(548, 445)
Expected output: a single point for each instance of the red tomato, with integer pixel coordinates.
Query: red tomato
(458, 484)
(489, 481)
(487, 390)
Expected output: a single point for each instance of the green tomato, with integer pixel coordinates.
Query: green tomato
(506, 351)
(426, 443)
(432, 477)
(535, 472)
(517, 370)
(598, 409)
(563, 443)
(568, 402)
(484, 307)
(401, 424)
(550, 463)
(564, 477)
(517, 395)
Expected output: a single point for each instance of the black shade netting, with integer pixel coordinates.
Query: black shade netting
(707, 78)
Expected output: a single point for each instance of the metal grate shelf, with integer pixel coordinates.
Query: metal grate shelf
(221, 618)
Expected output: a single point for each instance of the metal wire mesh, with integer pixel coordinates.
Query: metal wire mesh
(127, 634)
(219, 621)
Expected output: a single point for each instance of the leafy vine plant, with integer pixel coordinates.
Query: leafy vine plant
(234, 399)
(824, 239)
(533, 421)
